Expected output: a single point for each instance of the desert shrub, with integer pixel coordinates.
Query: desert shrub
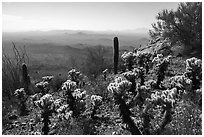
(11, 71)
(99, 87)
(57, 82)
(12, 79)
(96, 62)
(183, 25)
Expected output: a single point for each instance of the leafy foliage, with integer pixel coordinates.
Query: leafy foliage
(95, 62)
(183, 25)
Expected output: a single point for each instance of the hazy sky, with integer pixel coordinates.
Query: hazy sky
(22, 16)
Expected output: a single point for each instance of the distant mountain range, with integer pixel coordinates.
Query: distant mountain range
(143, 31)
(77, 38)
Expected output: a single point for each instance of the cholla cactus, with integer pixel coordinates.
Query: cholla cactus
(47, 78)
(96, 101)
(44, 84)
(160, 59)
(129, 59)
(21, 95)
(35, 97)
(193, 65)
(58, 103)
(161, 66)
(182, 83)
(147, 116)
(75, 97)
(119, 88)
(35, 133)
(142, 93)
(131, 76)
(79, 94)
(64, 113)
(141, 74)
(165, 99)
(80, 101)
(194, 71)
(198, 97)
(151, 83)
(69, 86)
(46, 103)
(143, 59)
(75, 76)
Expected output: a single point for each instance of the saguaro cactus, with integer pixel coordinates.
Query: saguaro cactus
(116, 54)
(26, 78)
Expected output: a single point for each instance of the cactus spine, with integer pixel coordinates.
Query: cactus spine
(116, 54)
(26, 78)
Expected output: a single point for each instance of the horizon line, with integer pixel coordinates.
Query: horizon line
(107, 30)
